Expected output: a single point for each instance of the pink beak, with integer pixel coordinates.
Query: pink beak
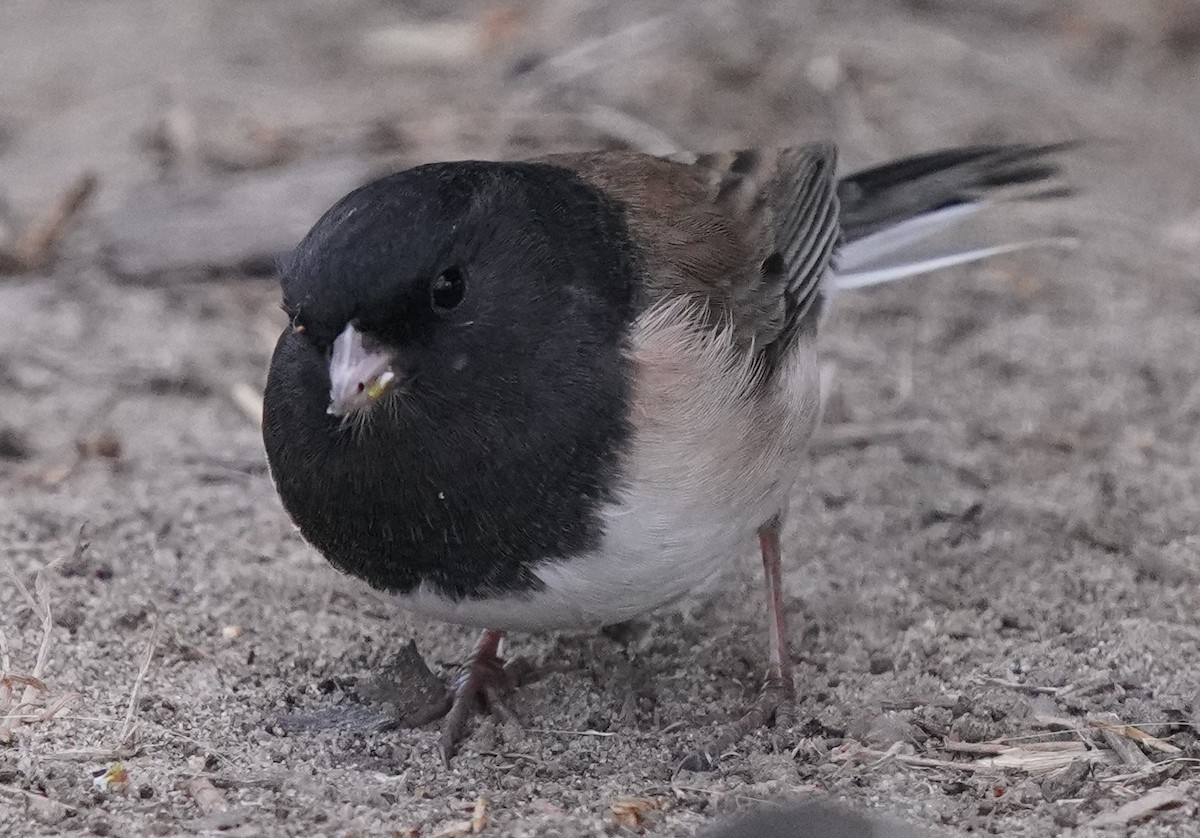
(358, 375)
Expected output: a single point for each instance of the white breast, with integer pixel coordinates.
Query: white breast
(710, 462)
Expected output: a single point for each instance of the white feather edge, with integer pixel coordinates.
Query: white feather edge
(858, 261)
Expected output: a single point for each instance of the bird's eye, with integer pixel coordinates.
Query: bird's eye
(447, 289)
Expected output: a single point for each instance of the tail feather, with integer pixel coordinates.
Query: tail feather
(860, 252)
(889, 210)
(846, 281)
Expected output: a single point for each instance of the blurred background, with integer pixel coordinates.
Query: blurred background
(219, 128)
(1003, 495)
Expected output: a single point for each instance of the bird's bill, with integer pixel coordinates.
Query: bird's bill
(358, 374)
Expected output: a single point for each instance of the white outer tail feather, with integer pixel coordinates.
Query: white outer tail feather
(887, 255)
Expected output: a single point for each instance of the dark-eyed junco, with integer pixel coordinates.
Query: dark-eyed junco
(560, 393)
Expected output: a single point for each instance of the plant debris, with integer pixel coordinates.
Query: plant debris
(23, 710)
(35, 249)
(633, 812)
(1142, 808)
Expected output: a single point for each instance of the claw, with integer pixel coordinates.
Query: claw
(483, 683)
(776, 704)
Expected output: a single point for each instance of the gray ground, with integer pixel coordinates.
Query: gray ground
(996, 538)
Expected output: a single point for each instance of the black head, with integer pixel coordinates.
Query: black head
(502, 295)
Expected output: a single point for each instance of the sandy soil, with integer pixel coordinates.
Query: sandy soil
(996, 541)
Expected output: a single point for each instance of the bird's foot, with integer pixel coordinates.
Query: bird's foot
(483, 684)
(776, 704)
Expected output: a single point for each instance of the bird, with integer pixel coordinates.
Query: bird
(561, 392)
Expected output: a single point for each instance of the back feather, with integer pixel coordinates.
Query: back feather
(788, 197)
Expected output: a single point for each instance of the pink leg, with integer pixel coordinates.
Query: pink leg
(483, 681)
(778, 698)
(779, 671)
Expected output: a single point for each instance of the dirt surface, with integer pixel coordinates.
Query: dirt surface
(996, 541)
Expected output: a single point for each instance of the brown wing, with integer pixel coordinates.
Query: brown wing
(749, 234)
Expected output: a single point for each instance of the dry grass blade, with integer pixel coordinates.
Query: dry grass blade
(1039, 759)
(130, 724)
(39, 602)
(66, 701)
(97, 754)
(1035, 758)
(1113, 730)
(976, 747)
(124, 746)
(24, 680)
(1152, 771)
(1027, 688)
(1142, 808)
(1110, 723)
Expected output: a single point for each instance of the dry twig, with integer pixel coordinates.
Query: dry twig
(34, 249)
